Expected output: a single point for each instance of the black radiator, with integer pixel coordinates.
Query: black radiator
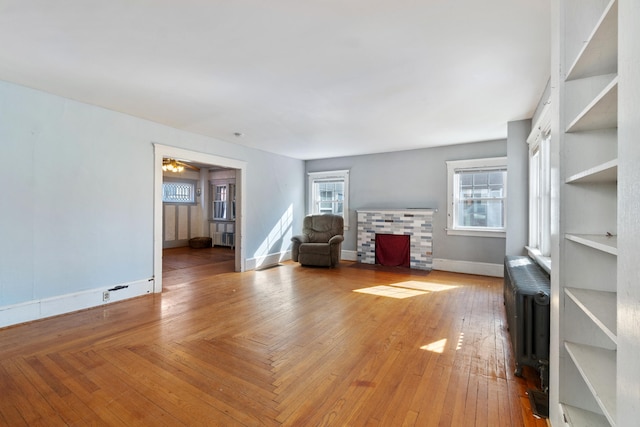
(526, 300)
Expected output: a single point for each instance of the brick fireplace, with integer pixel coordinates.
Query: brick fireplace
(416, 223)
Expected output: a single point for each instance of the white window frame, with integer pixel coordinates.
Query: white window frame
(229, 201)
(539, 142)
(453, 166)
(317, 177)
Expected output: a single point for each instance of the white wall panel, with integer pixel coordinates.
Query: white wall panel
(183, 222)
(170, 213)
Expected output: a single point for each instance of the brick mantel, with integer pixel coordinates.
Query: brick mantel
(416, 223)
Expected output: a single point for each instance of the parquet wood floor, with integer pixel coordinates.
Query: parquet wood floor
(285, 346)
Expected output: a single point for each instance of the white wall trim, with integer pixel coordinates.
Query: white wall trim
(349, 255)
(469, 267)
(542, 125)
(62, 304)
(543, 261)
(267, 261)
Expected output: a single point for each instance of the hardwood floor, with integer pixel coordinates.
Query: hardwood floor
(289, 345)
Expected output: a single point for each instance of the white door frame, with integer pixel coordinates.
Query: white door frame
(161, 151)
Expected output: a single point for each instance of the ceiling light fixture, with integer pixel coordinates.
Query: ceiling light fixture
(171, 165)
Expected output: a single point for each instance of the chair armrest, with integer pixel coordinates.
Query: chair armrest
(301, 238)
(336, 239)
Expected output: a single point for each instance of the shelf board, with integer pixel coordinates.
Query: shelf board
(599, 54)
(608, 244)
(601, 112)
(581, 417)
(599, 306)
(598, 368)
(605, 172)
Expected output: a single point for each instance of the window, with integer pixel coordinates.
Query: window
(329, 193)
(540, 197)
(477, 197)
(540, 192)
(223, 200)
(220, 202)
(179, 191)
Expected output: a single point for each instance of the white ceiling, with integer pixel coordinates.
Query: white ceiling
(303, 78)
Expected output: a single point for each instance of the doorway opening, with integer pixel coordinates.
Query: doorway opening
(239, 169)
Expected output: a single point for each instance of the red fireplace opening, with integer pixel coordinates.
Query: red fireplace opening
(392, 250)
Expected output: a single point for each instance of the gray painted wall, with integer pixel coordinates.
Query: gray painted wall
(77, 205)
(415, 179)
(518, 187)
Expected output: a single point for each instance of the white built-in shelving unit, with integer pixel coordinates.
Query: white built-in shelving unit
(586, 295)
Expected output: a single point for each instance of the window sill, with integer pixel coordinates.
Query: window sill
(543, 261)
(475, 233)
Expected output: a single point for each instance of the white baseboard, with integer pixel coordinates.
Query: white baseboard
(47, 307)
(270, 260)
(349, 255)
(469, 267)
(266, 261)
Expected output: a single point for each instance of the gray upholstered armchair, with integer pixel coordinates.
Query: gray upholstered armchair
(320, 242)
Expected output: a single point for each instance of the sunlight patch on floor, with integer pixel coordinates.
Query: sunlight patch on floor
(436, 346)
(423, 286)
(440, 345)
(391, 291)
(407, 289)
(460, 340)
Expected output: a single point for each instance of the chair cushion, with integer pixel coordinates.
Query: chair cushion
(321, 228)
(315, 248)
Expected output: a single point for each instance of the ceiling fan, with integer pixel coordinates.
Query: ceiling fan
(177, 166)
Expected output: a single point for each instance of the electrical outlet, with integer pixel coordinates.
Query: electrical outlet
(105, 296)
